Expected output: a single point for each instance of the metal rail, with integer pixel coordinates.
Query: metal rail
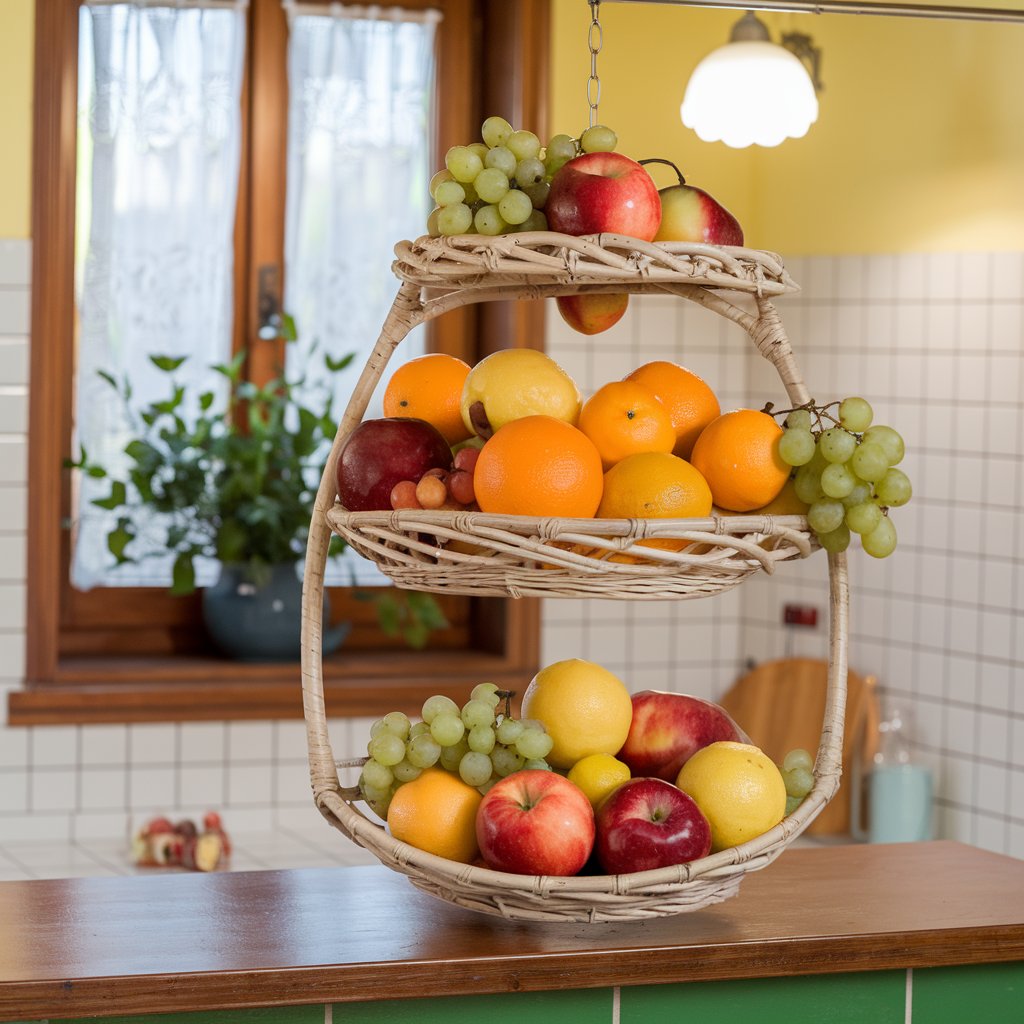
(935, 11)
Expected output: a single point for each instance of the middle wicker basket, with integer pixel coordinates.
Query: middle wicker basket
(486, 554)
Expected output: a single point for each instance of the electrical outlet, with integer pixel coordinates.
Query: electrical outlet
(800, 615)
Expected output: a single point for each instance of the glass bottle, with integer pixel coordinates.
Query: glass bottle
(900, 790)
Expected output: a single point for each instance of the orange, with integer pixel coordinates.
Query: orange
(430, 388)
(585, 709)
(654, 485)
(738, 455)
(436, 812)
(690, 401)
(539, 466)
(785, 503)
(623, 418)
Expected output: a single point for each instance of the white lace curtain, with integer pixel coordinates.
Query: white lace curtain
(359, 130)
(159, 150)
(159, 134)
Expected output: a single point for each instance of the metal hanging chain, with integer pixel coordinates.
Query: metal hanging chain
(595, 40)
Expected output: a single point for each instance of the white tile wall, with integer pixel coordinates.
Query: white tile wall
(936, 342)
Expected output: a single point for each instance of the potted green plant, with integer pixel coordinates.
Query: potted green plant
(234, 478)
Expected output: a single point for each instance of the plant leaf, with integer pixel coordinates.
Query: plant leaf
(118, 539)
(288, 330)
(389, 614)
(117, 497)
(183, 575)
(167, 363)
(336, 365)
(425, 609)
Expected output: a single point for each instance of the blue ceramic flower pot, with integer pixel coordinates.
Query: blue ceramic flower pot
(262, 621)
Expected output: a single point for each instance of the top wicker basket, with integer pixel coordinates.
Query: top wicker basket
(486, 554)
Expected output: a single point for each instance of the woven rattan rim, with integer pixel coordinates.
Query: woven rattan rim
(527, 556)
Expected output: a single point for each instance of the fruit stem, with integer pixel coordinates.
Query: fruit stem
(667, 163)
(819, 412)
(507, 696)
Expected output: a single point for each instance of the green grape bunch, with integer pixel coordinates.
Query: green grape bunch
(501, 184)
(846, 473)
(480, 742)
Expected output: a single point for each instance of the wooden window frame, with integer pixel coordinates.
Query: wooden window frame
(172, 678)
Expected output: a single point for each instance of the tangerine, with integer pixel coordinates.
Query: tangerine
(691, 403)
(786, 503)
(436, 812)
(539, 466)
(430, 388)
(623, 418)
(654, 485)
(738, 455)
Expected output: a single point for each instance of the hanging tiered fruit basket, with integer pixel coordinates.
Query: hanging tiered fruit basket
(494, 554)
(513, 555)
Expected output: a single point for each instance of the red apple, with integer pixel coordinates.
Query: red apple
(591, 314)
(689, 214)
(669, 728)
(380, 453)
(649, 823)
(604, 192)
(535, 822)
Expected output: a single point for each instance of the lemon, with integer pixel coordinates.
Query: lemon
(516, 382)
(585, 708)
(436, 812)
(598, 775)
(738, 787)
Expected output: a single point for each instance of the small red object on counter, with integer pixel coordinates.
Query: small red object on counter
(159, 843)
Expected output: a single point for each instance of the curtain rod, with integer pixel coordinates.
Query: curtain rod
(940, 11)
(374, 12)
(228, 5)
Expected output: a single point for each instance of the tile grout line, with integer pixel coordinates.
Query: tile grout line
(908, 1008)
(616, 1004)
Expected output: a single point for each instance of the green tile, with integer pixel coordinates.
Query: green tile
(993, 993)
(873, 997)
(584, 1006)
(268, 1015)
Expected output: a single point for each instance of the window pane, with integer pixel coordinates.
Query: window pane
(159, 131)
(359, 131)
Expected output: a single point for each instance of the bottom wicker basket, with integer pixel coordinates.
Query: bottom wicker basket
(592, 898)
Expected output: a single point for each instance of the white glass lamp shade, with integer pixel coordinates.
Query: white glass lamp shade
(749, 94)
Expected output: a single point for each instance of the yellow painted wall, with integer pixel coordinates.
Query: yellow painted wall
(919, 144)
(16, 35)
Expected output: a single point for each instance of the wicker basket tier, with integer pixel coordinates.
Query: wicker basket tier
(485, 554)
(520, 556)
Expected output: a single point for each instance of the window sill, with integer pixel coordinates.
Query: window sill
(356, 684)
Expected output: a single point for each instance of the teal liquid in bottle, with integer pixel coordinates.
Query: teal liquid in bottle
(899, 791)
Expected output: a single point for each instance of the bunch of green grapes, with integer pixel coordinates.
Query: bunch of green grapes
(481, 742)
(846, 472)
(798, 775)
(501, 184)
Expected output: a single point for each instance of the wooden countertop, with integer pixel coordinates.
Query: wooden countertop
(180, 942)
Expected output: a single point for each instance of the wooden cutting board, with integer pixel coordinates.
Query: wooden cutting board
(781, 704)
